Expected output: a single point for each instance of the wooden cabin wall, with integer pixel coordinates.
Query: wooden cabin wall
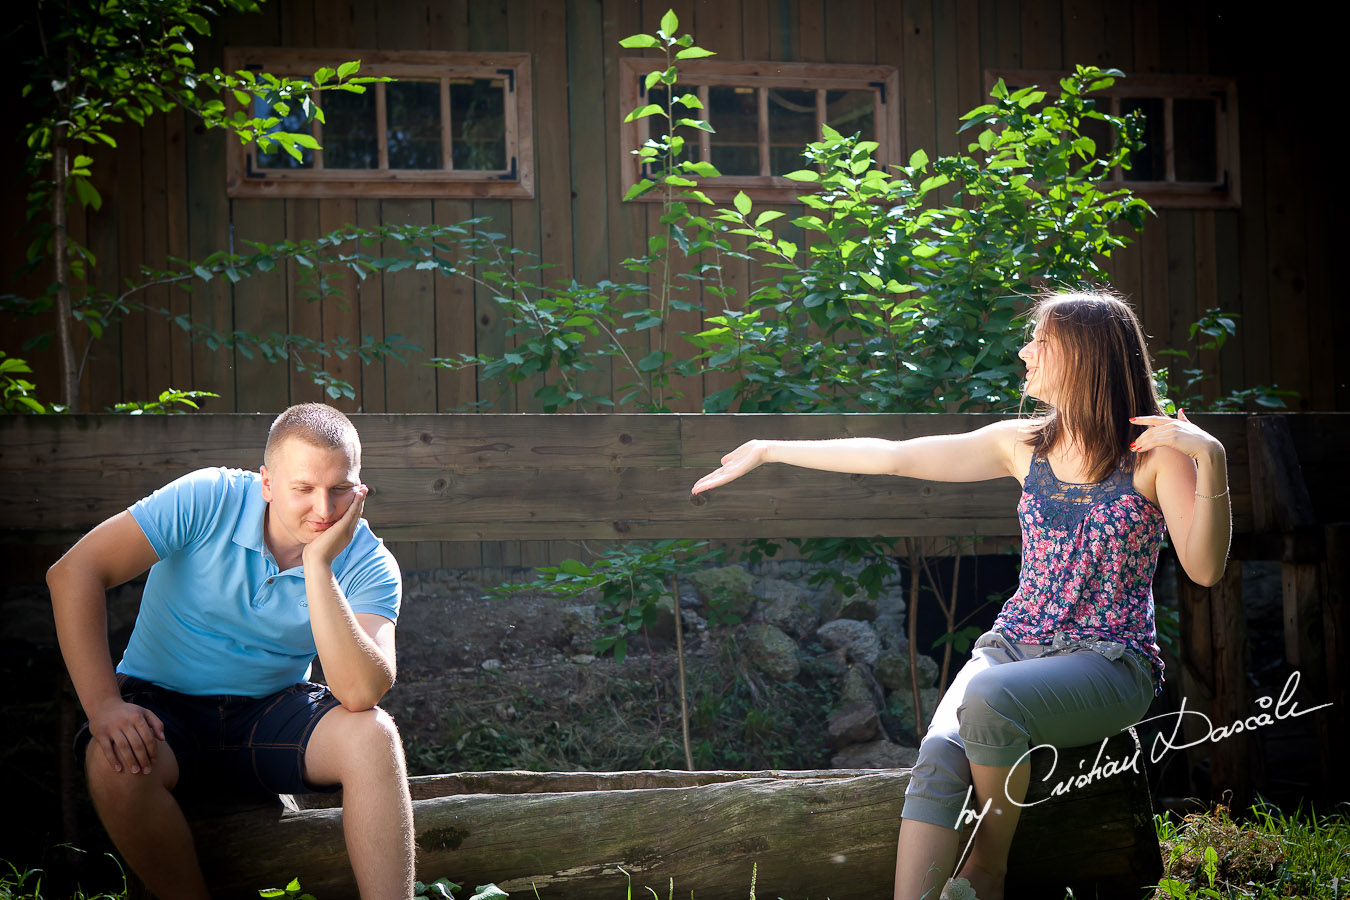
(164, 194)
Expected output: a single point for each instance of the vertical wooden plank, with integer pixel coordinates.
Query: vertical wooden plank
(409, 308)
(1042, 29)
(969, 67)
(101, 359)
(1180, 278)
(175, 224)
(1153, 286)
(947, 75)
(1287, 262)
(920, 121)
(340, 316)
(303, 315)
(1333, 725)
(260, 308)
(448, 29)
(1000, 34)
(1084, 35)
(850, 30)
(488, 30)
(811, 31)
(1147, 23)
(1228, 282)
(158, 334)
(628, 220)
(587, 113)
(130, 253)
(732, 38)
(690, 388)
(1206, 293)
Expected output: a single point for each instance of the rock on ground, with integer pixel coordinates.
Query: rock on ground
(858, 638)
(854, 724)
(772, 651)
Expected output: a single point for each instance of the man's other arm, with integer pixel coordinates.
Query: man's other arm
(114, 552)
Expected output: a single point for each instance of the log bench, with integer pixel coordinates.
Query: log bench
(572, 836)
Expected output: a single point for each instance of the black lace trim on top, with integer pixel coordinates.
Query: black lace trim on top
(1065, 504)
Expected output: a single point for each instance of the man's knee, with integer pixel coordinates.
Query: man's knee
(112, 789)
(366, 739)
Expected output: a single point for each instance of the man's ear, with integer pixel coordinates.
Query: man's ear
(266, 484)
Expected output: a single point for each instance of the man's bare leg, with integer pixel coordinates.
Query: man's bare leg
(146, 823)
(362, 752)
(924, 859)
(987, 866)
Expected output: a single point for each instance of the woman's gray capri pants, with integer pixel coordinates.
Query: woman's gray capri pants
(1013, 696)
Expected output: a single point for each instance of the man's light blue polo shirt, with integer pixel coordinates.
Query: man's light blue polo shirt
(216, 616)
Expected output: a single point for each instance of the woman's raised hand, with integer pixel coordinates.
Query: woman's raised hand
(1180, 434)
(744, 458)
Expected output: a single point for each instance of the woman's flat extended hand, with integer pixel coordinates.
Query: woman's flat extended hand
(744, 458)
(1180, 434)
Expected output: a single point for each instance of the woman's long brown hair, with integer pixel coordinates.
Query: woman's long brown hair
(1106, 377)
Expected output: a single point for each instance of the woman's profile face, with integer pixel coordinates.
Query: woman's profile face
(1043, 359)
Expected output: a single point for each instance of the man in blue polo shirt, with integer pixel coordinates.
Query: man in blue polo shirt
(252, 575)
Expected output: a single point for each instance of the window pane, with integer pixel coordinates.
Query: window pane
(792, 125)
(349, 137)
(1150, 163)
(413, 127)
(478, 123)
(276, 157)
(1193, 131)
(1099, 132)
(734, 112)
(852, 112)
(658, 125)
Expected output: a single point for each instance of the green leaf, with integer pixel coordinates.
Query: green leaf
(642, 112)
(803, 175)
(652, 361)
(742, 203)
(639, 41)
(348, 68)
(694, 53)
(918, 159)
(487, 892)
(669, 23)
(575, 567)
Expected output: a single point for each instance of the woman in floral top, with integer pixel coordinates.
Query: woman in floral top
(1073, 656)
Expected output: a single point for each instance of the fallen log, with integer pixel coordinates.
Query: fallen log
(811, 834)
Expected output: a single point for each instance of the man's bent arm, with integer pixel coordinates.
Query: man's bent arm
(114, 552)
(356, 650)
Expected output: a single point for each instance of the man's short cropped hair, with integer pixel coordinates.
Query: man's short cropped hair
(318, 425)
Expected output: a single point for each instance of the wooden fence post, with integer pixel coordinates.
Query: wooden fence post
(1214, 666)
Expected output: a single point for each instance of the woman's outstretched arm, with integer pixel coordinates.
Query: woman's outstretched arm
(973, 456)
(1191, 480)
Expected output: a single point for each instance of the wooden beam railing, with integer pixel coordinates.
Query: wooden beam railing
(530, 477)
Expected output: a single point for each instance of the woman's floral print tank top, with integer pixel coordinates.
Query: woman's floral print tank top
(1089, 552)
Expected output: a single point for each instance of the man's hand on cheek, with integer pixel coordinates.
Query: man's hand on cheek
(325, 548)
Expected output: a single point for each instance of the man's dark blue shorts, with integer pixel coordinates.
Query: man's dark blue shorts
(249, 745)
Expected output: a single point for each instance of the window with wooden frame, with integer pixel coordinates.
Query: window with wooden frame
(763, 115)
(448, 125)
(1190, 155)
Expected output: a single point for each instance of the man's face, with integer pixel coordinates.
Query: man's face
(308, 488)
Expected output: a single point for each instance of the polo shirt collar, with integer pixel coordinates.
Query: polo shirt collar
(248, 529)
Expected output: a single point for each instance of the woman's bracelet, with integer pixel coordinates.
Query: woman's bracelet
(1222, 493)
